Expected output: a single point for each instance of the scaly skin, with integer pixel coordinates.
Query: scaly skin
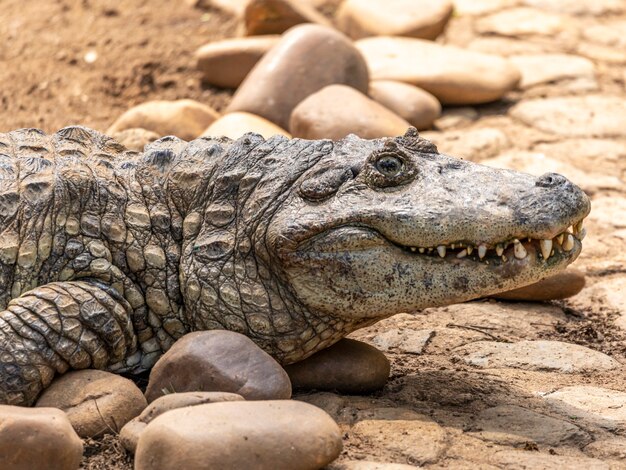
(108, 256)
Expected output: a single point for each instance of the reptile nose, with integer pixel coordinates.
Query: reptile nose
(551, 180)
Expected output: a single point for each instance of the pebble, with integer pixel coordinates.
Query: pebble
(135, 138)
(416, 106)
(601, 406)
(545, 68)
(515, 426)
(306, 59)
(452, 74)
(234, 125)
(226, 63)
(470, 144)
(130, 433)
(183, 118)
(559, 286)
(37, 439)
(338, 110)
(403, 340)
(261, 435)
(277, 16)
(541, 355)
(424, 19)
(96, 402)
(522, 21)
(575, 116)
(415, 436)
(221, 361)
(348, 366)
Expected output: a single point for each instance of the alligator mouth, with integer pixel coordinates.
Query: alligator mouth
(515, 248)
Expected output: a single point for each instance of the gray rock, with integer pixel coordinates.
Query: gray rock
(261, 435)
(220, 361)
(307, 58)
(37, 439)
(348, 366)
(96, 402)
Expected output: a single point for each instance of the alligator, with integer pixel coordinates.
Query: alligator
(108, 256)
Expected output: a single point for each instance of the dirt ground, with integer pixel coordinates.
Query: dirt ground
(439, 409)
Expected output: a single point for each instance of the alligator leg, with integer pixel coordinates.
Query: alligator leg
(57, 327)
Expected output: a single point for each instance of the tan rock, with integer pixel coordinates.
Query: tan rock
(232, 7)
(481, 7)
(523, 460)
(234, 125)
(609, 448)
(416, 106)
(424, 19)
(401, 340)
(339, 110)
(522, 21)
(470, 144)
(135, 139)
(260, 435)
(348, 366)
(277, 16)
(183, 118)
(370, 465)
(130, 433)
(560, 286)
(576, 7)
(453, 75)
(37, 439)
(545, 68)
(96, 402)
(226, 63)
(221, 361)
(279, 81)
(597, 405)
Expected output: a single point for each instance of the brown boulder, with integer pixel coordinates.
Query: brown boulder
(560, 286)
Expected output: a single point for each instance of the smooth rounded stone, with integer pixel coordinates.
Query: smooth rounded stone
(470, 144)
(575, 116)
(135, 139)
(538, 355)
(226, 63)
(261, 435)
(609, 448)
(515, 426)
(600, 406)
(370, 465)
(307, 58)
(424, 19)
(559, 286)
(234, 125)
(37, 439)
(522, 21)
(416, 106)
(545, 68)
(413, 435)
(524, 460)
(403, 340)
(220, 361)
(96, 402)
(505, 46)
(452, 74)
(183, 118)
(339, 110)
(348, 366)
(129, 435)
(277, 16)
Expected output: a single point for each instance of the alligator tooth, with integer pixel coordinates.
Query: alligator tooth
(504, 258)
(482, 251)
(421, 250)
(582, 234)
(568, 244)
(519, 251)
(578, 227)
(452, 246)
(462, 254)
(499, 249)
(559, 238)
(546, 248)
(441, 249)
(430, 250)
(413, 249)
(470, 248)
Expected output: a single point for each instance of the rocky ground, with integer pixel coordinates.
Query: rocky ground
(487, 384)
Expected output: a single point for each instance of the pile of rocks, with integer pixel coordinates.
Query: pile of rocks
(296, 74)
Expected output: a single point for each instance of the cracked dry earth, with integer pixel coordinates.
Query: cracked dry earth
(485, 384)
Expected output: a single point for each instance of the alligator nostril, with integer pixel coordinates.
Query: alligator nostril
(550, 180)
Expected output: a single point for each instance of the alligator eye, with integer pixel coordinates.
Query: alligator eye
(389, 166)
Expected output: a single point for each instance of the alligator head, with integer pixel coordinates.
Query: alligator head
(387, 226)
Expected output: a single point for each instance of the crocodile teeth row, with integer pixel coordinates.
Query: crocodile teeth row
(565, 240)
